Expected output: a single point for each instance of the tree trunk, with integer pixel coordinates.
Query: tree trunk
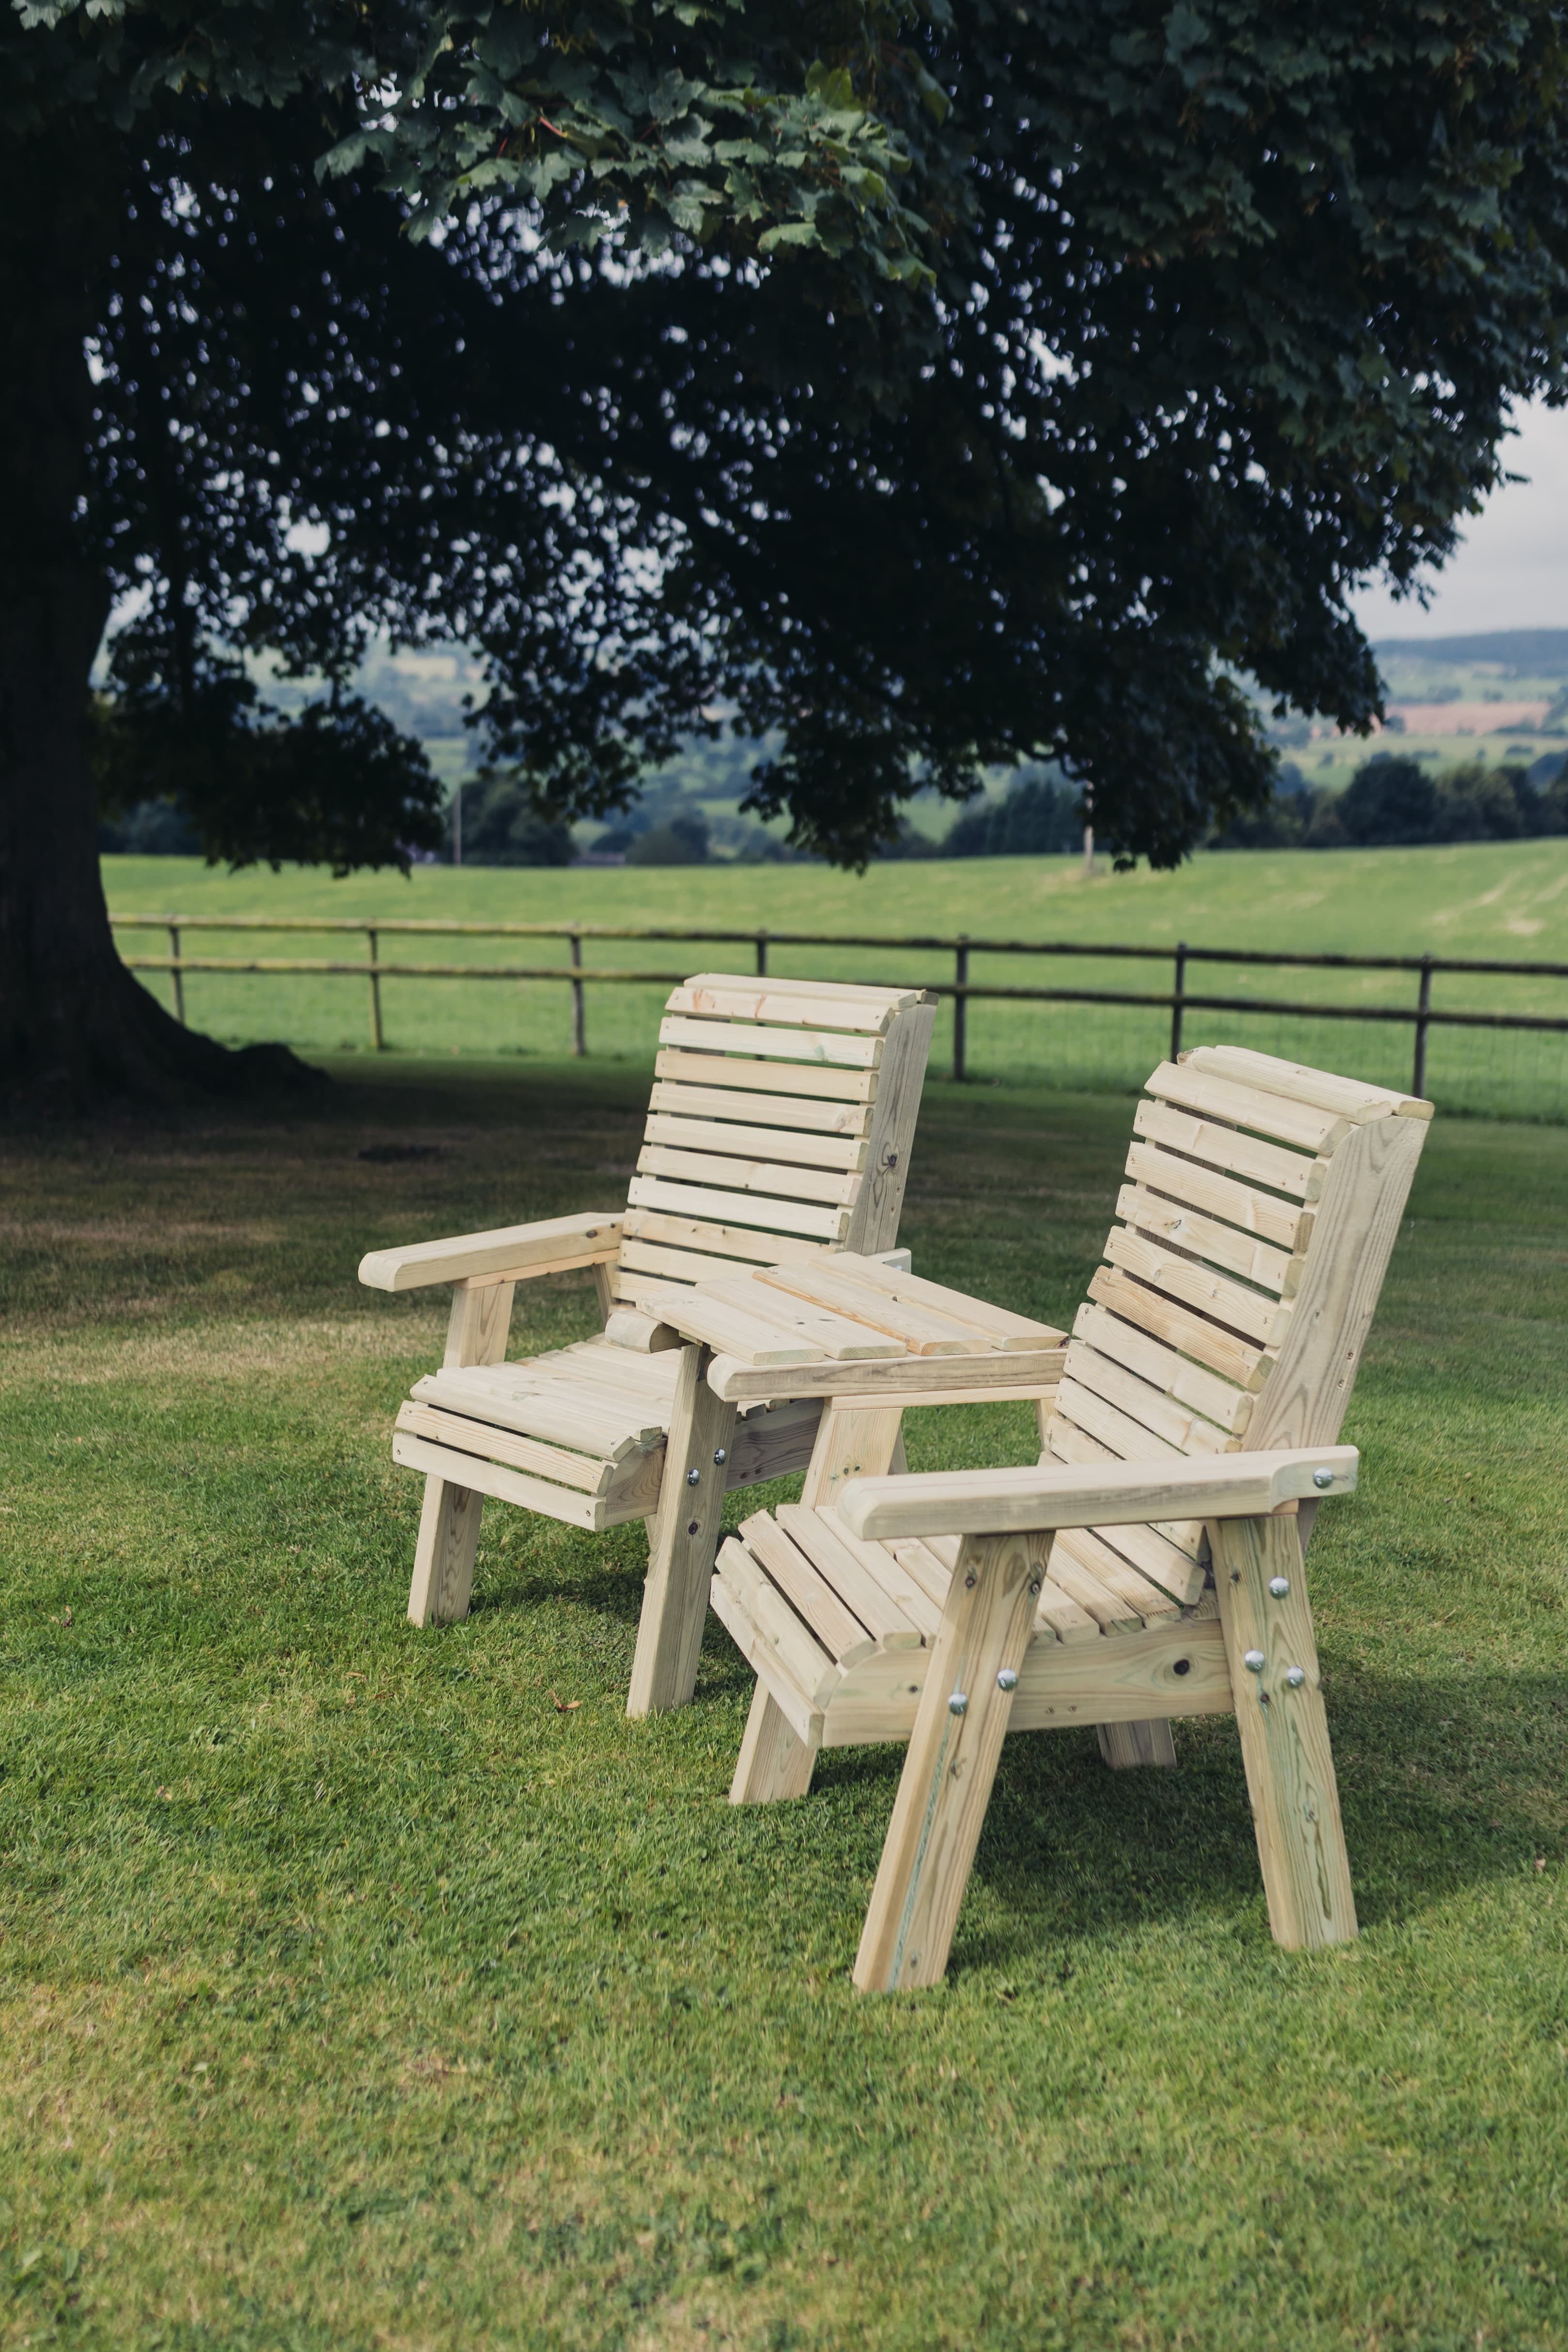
(75, 1027)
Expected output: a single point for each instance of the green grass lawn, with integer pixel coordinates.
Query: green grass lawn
(370, 1987)
(1500, 901)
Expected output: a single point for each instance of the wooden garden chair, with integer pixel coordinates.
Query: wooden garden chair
(1152, 1564)
(779, 1129)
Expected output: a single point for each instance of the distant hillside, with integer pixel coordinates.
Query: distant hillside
(1530, 652)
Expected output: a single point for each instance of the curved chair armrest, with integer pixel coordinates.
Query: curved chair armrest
(1097, 1494)
(511, 1254)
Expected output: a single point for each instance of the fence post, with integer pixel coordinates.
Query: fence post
(376, 1039)
(1423, 1007)
(179, 977)
(579, 1021)
(1179, 990)
(960, 1008)
(761, 955)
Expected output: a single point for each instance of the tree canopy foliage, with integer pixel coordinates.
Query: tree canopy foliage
(1134, 334)
(934, 384)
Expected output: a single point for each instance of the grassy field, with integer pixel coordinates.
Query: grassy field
(1502, 900)
(369, 1988)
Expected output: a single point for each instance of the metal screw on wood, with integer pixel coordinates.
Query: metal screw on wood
(1034, 1589)
(969, 1582)
(1295, 1676)
(1007, 1678)
(694, 1478)
(691, 1526)
(958, 1704)
(1278, 1586)
(1323, 1478)
(1254, 1662)
(719, 1457)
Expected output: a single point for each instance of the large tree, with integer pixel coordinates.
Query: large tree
(941, 390)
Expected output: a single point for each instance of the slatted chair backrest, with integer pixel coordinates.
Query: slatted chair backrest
(1261, 1203)
(779, 1128)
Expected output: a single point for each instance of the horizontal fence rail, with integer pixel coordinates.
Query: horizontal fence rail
(1422, 1016)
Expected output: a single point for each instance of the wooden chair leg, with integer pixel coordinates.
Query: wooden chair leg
(945, 1786)
(443, 1556)
(775, 1761)
(683, 1540)
(1284, 1731)
(1125, 1745)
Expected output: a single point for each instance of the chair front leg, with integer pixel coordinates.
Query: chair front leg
(683, 1536)
(450, 1521)
(948, 1773)
(1273, 1659)
(774, 1762)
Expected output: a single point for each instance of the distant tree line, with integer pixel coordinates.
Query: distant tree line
(1392, 801)
(1396, 802)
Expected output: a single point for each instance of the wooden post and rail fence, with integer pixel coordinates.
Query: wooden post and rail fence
(1422, 1016)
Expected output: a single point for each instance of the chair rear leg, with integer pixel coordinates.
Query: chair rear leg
(946, 1782)
(443, 1556)
(1284, 1731)
(1125, 1745)
(776, 1763)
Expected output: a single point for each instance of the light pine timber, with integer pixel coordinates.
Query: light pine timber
(843, 1122)
(792, 1661)
(919, 1332)
(1353, 1098)
(1220, 1244)
(845, 1153)
(718, 1241)
(472, 1477)
(808, 1590)
(1284, 1733)
(776, 1763)
(946, 1782)
(847, 1441)
(1152, 1408)
(1358, 1223)
(906, 1380)
(1248, 1206)
(839, 1336)
(1221, 1351)
(442, 1583)
(772, 1444)
(820, 1222)
(728, 1069)
(547, 1246)
(969, 1502)
(873, 1223)
(1226, 1147)
(1274, 1115)
(749, 1176)
(552, 1461)
(1185, 1383)
(702, 1314)
(1262, 1320)
(803, 1046)
(782, 1008)
(639, 1334)
(999, 1324)
(680, 1561)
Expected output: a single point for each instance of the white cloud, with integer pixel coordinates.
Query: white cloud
(1512, 569)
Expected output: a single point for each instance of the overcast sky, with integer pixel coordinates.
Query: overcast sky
(1511, 571)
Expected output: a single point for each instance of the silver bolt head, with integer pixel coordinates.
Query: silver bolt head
(1278, 1586)
(1295, 1676)
(719, 1457)
(694, 1478)
(1321, 1479)
(958, 1704)
(1007, 1678)
(1254, 1662)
